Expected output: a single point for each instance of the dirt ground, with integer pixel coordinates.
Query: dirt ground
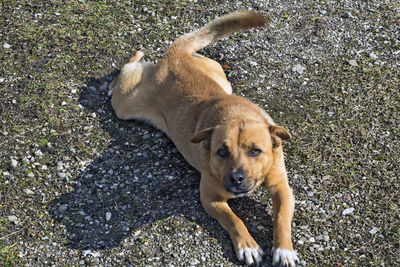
(80, 187)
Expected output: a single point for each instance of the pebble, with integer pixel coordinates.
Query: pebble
(110, 92)
(108, 216)
(89, 252)
(28, 191)
(298, 68)
(310, 193)
(194, 262)
(31, 175)
(146, 136)
(104, 86)
(13, 219)
(352, 62)
(14, 163)
(38, 153)
(348, 211)
(61, 174)
(63, 208)
(374, 230)
(6, 45)
(373, 56)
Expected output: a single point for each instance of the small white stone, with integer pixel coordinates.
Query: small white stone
(14, 163)
(31, 175)
(298, 68)
(38, 153)
(63, 103)
(73, 91)
(352, 62)
(108, 216)
(13, 219)
(89, 252)
(28, 191)
(6, 45)
(348, 211)
(310, 193)
(373, 56)
(374, 230)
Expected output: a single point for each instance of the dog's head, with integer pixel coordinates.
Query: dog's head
(241, 152)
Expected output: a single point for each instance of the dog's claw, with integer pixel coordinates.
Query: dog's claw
(284, 257)
(251, 255)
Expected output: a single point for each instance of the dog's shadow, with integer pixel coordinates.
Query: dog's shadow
(139, 179)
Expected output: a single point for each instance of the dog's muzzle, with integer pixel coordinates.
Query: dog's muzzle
(236, 183)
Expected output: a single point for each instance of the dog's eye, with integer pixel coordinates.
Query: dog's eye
(223, 153)
(254, 152)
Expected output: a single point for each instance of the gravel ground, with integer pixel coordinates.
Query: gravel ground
(80, 187)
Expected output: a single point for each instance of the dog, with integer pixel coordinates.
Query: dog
(232, 142)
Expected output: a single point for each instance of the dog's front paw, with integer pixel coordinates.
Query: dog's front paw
(250, 255)
(284, 257)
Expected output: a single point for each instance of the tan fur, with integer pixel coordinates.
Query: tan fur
(189, 98)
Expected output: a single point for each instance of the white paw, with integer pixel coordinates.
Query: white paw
(251, 255)
(284, 257)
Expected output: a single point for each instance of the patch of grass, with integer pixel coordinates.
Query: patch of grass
(8, 257)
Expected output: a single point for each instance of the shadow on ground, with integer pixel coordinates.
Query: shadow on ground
(138, 180)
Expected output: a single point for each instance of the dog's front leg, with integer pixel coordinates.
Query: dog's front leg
(283, 208)
(216, 206)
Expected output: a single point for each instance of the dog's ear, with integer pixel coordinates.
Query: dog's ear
(278, 134)
(203, 135)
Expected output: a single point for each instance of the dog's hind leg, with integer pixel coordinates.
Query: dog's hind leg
(135, 93)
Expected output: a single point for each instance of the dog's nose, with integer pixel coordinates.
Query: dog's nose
(236, 178)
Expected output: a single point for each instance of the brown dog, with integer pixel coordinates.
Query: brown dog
(233, 143)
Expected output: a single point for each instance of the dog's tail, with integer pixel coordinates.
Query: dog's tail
(217, 29)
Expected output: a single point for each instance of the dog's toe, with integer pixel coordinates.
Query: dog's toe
(251, 255)
(284, 257)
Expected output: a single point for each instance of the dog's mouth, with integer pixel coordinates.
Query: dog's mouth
(240, 191)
